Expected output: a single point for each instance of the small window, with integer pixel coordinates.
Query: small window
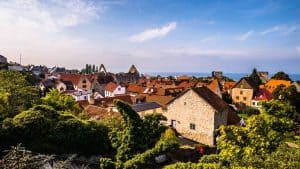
(84, 81)
(192, 126)
(184, 103)
(119, 89)
(244, 98)
(241, 92)
(237, 97)
(253, 103)
(85, 98)
(83, 86)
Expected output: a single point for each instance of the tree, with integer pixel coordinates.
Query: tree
(281, 76)
(4, 105)
(255, 78)
(21, 95)
(61, 102)
(43, 129)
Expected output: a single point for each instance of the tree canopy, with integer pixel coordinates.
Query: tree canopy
(281, 76)
(255, 78)
(18, 93)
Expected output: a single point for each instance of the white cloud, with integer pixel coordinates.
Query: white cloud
(39, 30)
(154, 33)
(51, 16)
(209, 39)
(282, 29)
(245, 36)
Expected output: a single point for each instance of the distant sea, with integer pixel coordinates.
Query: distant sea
(234, 76)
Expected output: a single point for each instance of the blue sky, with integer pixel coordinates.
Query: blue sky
(155, 35)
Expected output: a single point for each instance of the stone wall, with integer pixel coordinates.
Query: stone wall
(190, 108)
(242, 96)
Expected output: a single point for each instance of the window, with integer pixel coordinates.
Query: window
(119, 89)
(244, 98)
(84, 81)
(241, 92)
(237, 97)
(184, 103)
(83, 86)
(253, 103)
(192, 126)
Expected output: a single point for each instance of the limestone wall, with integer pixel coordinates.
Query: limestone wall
(190, 108)
(242, 96)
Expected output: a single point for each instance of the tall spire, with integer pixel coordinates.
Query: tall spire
(102, 69)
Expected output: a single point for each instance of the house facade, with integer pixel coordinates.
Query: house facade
(243, 92)
(196, 114)
(112, 89)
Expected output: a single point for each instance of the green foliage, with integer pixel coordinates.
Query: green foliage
(167, 142)
(227, 98)
(281, 76)
(43, 129)
(255, 78)
(21, 95)
(135, 135)
(4, 105)
(61, 102)
(249, 111)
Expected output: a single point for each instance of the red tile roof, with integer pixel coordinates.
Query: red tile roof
(111, 86)
(135, 88)
(214, 85)
(263, 95)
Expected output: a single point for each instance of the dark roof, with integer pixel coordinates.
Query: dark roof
(48, 83)
(211, 98)
(250, 82)
(145, 106)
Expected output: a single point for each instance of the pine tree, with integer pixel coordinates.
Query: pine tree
(255, 78)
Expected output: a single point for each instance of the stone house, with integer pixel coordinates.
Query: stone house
(80, 82)
(243, 92)
(197, 113)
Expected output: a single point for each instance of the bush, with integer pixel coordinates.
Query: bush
(44, 130)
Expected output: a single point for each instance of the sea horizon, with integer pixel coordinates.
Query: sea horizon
(234, 76)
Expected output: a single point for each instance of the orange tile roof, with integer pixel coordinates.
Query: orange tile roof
(111, 86)
(214, 85)
(228, 85)
(135, 88)
(74, 78)
(272, 84)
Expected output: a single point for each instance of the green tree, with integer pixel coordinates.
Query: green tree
(255, 78)
(281, 76)
(4, 105)
(43, 129)
(61, 102)
(21, 95)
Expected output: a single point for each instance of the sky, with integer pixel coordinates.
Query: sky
(156, 35)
